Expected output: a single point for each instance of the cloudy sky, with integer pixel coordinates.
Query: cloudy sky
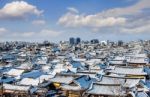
(55, 20)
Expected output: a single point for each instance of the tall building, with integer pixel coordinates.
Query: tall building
(72, 41)
(78, 40)
(120, 43)
(94, 41)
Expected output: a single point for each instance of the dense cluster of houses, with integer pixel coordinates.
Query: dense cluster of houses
(81, 70)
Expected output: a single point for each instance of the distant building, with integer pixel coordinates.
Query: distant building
(78, 40)
(104, 43)
(94, 41)
(72, 41)
(120, 43)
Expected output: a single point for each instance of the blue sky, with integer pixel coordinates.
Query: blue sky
(55, 20)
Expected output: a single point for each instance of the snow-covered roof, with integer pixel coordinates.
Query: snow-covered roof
(35, 82)
(111, 80)
(29, 81)
(16, 87)
(117, 62)
(111, 90)
(62, 79)
(142, 94)
(128, 70)
(45, 77)
(32, 74)
(25, 66)
(14, 72)
(93, 61)
(69, 87)
(138, 60)
(131, 83)
(79, 59)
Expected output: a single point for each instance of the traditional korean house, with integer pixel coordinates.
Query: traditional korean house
(22, 57)
(9, 90)
(25, 66)
(77, 87)
(118, 61)
(6, 79)
(14, 72)
(102, 90)
(137, 59)
(60, 79)
(129, 71)
(34, 78)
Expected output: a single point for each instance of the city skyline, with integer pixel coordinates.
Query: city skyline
(54, 20)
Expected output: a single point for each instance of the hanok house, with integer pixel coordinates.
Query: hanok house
(62, 79)
(87, 72)
(14, 72)
(118, 61)
(132, 72)
(108, 90)
(34, 78)
(137, 60)
(58, 81)
(9, 90)
(25, 66)
(78, 86)
(120, 84)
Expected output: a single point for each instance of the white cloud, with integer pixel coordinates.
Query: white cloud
(72, 9)
(130, 19)
(3, 31)
(44, 34)
(129, 10)
(41, 34)
(39, 22)
(141, 29)
(50, 33)
(18, 9)
(28, 34)
(75, 20)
